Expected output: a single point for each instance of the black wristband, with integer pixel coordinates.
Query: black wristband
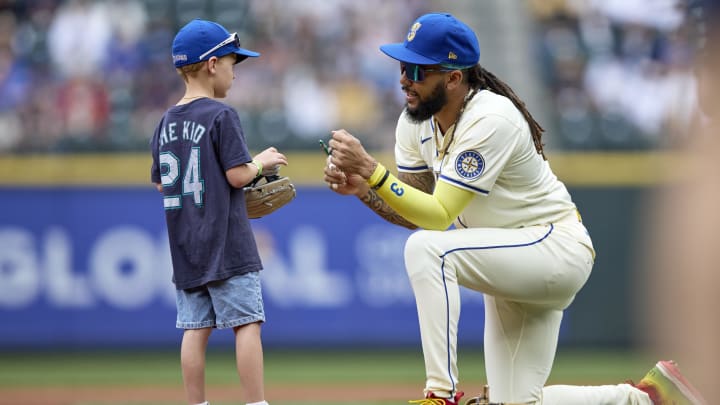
(382, 181)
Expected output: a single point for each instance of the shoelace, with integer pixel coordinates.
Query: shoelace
(428, 401)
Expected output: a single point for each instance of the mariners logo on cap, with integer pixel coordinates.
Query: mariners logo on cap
(469, 164)
(413, 31)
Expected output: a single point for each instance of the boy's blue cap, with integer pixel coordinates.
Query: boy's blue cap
(434, 39)
(199, 36)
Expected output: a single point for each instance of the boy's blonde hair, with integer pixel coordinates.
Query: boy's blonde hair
(189, 70)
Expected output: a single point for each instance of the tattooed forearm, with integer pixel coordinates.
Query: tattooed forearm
(372, 200)
(422, 181)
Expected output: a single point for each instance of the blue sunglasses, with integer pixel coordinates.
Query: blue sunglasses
(416, 73)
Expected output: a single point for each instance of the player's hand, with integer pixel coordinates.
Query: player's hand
(349, 155)
(343, 183)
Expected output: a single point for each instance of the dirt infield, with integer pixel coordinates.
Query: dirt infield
(276, 394)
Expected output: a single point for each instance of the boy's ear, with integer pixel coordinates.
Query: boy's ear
(211, 64)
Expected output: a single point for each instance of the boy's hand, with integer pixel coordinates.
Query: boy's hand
(270, 158)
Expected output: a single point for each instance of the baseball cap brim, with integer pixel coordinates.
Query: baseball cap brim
(246, 53)
(399, 52)
(241, 54)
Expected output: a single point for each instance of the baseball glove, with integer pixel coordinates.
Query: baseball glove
(266, 194)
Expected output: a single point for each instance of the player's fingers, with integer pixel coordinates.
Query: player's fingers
(344, 138)
(332, 182)
(338, 160)
(337, 139)
(338, 163)
(340, 135)
(330, 164)
(332, 146)
(332, 176)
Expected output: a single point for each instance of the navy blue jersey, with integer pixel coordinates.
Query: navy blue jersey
(209, 231)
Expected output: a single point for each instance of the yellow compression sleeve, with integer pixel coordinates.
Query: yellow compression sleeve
(429, 211)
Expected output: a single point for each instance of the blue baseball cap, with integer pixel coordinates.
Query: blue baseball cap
(200, 40)
(437, 38)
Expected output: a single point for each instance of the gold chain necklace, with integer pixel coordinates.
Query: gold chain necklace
(450, 133)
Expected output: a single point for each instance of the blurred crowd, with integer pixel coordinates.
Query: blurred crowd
(87, 75)
(620, 72)
(95, 75)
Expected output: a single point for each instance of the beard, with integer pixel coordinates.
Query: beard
(427, 108)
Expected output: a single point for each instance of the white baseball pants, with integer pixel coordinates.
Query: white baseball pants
(528, 277)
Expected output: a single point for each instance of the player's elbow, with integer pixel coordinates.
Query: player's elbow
(440, 219)
(439, 225)
(433, 222)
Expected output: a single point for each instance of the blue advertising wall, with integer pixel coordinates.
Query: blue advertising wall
(90, 266)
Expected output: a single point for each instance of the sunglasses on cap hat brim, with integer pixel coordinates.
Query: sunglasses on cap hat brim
(232, 39)
(416, 73)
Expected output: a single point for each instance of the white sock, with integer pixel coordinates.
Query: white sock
(258, 403)
(204, 403)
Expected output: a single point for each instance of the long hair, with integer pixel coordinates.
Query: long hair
(479, 78)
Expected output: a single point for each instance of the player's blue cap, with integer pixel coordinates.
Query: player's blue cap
(200, 40)
(437, 38)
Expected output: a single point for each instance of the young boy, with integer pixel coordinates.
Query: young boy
(200, 164)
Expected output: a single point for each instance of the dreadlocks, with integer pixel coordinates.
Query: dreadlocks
(480, 78)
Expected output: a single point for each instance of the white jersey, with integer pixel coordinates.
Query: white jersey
(493, 155)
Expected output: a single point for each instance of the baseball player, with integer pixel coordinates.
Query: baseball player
(469, 154)
(200, 164)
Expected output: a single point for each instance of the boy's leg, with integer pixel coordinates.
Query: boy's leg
(249, 356)
(197, 318)
(192, 360)
(238, 304)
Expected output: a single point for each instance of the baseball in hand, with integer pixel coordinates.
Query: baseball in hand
(336, 172)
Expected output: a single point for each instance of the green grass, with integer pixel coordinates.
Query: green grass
(296, 366)
(158, 368)
(301, 367)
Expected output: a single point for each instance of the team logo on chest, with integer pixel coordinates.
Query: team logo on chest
(469, 164)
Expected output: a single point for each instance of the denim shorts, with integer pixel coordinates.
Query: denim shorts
(221, 304)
